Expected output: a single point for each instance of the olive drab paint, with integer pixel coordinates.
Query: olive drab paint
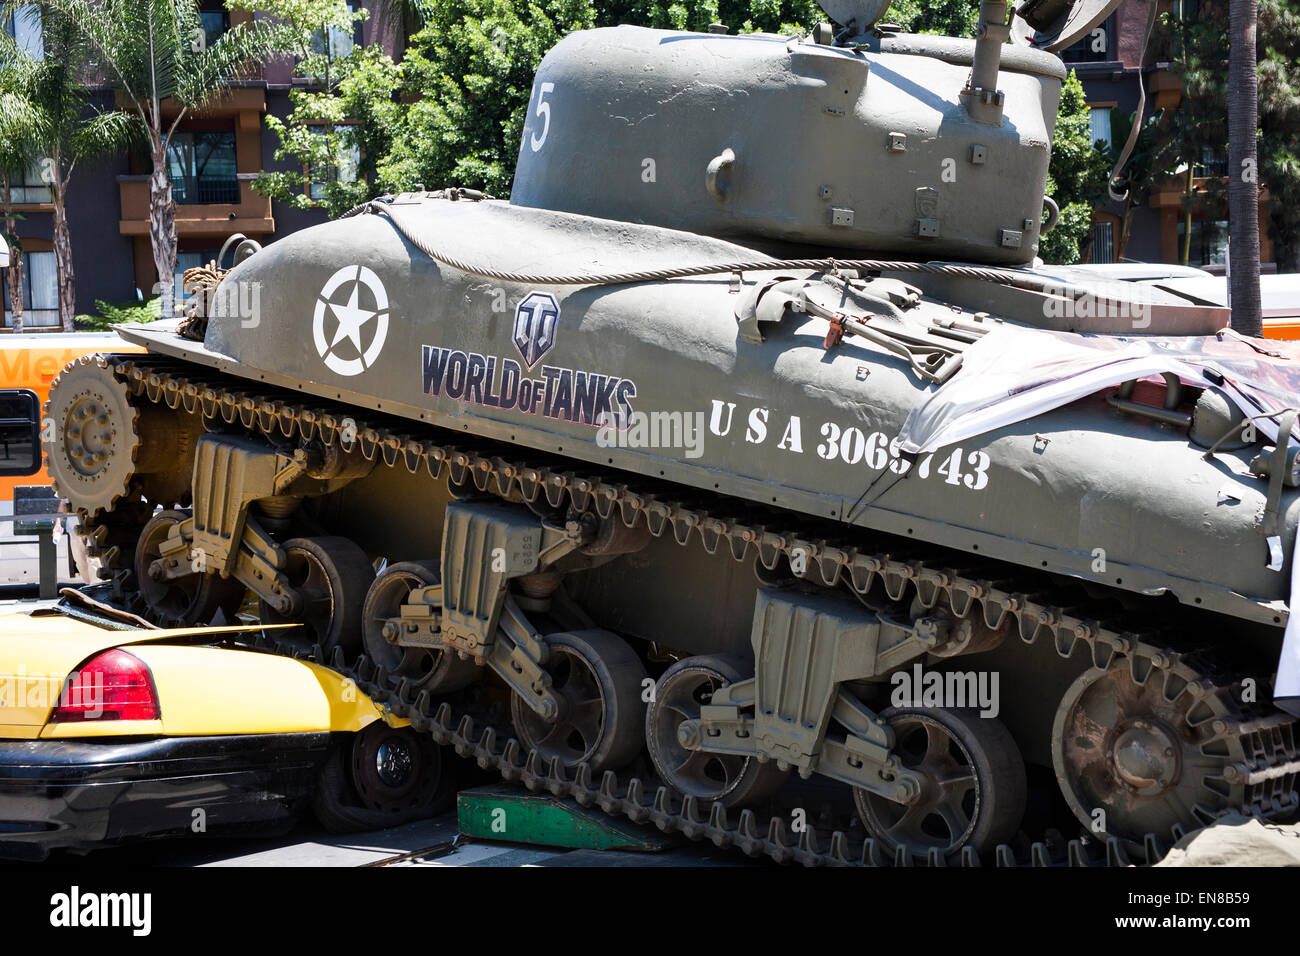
(730, 270)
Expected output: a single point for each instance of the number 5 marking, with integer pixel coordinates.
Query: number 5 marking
(544, 111)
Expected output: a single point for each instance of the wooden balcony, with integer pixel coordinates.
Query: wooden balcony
(251, 215)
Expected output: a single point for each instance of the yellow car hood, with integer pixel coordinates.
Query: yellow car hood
(201, 689)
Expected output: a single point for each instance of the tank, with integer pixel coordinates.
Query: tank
(748, 449)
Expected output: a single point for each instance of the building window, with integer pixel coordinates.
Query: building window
(1214, 163)
(1209, 242)
(343, 170)
(1102, 248)
(188, 260)
(1099, 116)
(341, 42)
(202, 168)
(28, 187)
(215, 20)
(40, 292)
(1093, 48)
(24, 28)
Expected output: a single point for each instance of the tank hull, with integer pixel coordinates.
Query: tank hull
(655, 378)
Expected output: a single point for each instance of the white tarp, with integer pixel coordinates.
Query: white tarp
(1013, 374)
(1237, 840)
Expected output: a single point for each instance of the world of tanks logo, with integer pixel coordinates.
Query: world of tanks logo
(536, 317)
(578, 396)
(354, 304)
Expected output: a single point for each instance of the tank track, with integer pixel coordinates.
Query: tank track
(1261, 763)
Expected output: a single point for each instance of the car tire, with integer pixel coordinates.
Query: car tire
(342, 806)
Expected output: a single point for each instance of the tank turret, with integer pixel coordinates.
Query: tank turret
(863, 140)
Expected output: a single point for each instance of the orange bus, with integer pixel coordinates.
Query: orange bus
(29, 363)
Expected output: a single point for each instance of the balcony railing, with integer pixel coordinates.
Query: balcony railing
(200, 216)
(192, 191)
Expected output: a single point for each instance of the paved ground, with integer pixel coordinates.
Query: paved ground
(429, 843)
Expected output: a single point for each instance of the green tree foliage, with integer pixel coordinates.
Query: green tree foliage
(1076, 176)
(1154, 158)
(52, 110)
(152, 54)
(342, 118)
(17, 154)
(109, 314)
(1198, 49)
(744, 16)
(473, 65)
(955, 18)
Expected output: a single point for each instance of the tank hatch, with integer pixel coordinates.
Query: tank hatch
(1056, 24)
(859, 15)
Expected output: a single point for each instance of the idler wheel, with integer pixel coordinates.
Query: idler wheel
(181, 601)
(435, 670)
(729, 779)
(1145, 746)
(331, 576)
(973, 786)
(597, 679)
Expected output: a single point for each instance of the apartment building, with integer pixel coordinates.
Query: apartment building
(1110, 63)
(212, 161)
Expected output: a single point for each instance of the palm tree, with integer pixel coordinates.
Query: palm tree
(149, 52)
(16, 156)
(62, 131)
(1243, 183)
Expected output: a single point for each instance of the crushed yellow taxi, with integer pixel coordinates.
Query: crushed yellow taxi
(112, 731)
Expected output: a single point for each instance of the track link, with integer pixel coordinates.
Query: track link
(1260, 767)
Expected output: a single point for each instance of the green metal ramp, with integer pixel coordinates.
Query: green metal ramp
(499, 812)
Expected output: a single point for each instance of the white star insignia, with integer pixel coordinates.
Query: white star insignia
(351, 319)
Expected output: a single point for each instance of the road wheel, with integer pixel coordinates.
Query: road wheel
(439, 672)
(187, 600)
(597, 679)
(727, 778)
(331, 576)
(973, 788)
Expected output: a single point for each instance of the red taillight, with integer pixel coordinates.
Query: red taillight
(112, 686)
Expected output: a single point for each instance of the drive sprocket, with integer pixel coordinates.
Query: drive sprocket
(102, 448)
(94, 439)
(1157, 743)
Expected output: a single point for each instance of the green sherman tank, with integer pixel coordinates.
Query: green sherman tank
(748, 441)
